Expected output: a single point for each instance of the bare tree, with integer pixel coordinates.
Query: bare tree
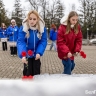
(51, 12)
(73, 7)
(3, 15)
(40, 6)
(87, 15)
(34, 4)
(59, 10)
(56, 11)
(44, 8)
(17, 12)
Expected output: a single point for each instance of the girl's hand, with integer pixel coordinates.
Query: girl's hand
(76, 54)
(24, 60)
(37, 56)
(69, 55)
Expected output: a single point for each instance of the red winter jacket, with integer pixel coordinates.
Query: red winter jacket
(68, 42)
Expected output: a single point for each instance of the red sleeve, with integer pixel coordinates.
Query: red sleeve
(78, 41)
(63, 50)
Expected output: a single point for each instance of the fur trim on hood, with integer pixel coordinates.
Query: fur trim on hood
(26, 25)
(64, 20)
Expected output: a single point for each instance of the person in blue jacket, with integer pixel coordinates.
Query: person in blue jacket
(3, 36)
(12, 32)
(32, 36)
(53, 37)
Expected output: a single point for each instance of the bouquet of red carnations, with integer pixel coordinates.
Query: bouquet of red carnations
(27, 55)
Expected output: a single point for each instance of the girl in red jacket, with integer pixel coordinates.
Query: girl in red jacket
(69, 41)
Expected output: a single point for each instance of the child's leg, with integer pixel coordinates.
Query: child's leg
(30, 67)
(54, 44)
(12, 50)
(33, 66)
(73, 65)
(51, 45)
(6, 46)
(67, 66)
(36, 66)
(15, 50)
(25, 70)
(3, 46)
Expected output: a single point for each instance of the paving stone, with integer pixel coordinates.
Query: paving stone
(12, 67)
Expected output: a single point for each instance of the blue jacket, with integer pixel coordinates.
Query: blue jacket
(1, 33)
(53, 35)
(12, 37)
(32, 43)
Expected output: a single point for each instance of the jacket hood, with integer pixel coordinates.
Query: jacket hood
(64, 20)
(26, 25)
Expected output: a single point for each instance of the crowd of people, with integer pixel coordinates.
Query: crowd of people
(9, 34)
(32, 36)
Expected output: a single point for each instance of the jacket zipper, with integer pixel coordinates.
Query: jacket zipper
(34, 40)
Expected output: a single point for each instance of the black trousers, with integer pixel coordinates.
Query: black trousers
(33, 67)
(4, 46)
(13, 50)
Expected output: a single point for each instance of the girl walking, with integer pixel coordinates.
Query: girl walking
(53, 37)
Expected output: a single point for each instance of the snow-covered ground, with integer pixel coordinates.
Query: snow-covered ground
(50, 85)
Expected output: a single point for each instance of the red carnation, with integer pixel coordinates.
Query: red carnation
(23, 54)
(81, 53)
(30, 53)
(84, 56)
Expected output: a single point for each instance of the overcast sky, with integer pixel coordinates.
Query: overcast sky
(10, 3)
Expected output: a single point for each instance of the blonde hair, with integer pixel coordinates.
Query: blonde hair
(39, 25)
(71, 14)
(35, 13)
